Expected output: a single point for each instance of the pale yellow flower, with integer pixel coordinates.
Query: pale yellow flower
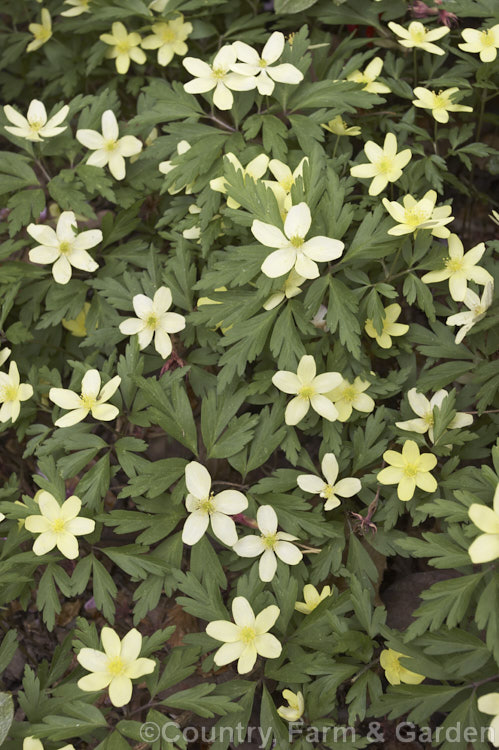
(124, 47)
(395, 673)
(168, 38)
(262, 67)
(417, 35)
(35, 126)
(41, 31)
(77, 326)
(338, 126)
(58, 525)
(385, 166)
(485, 43)
(485, 548)
(217, 77)
(12, 392)
(255, 169)
(413, 215)
(390, 327)
(312, 598)
(295, 708)
(309, 390)
(247, 637)
(31, 743)
(291, 287)
(409, 470)
(93, 399)
(348, 396)
(460, 267)
(116, 667)
(284, 181)
(439, 103)
(77, 8)
(369, 78)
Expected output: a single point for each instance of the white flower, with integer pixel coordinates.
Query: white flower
(413, 215)
(348, 396)
(116, 667)
(489, 704)
(218, 76)
(385, 165)
(268, 544)
(154, 320)
(477, 309)
(330, 489)
(309, 390)
(485, 43)
(166, 167)
(205, 507)
(424, 409)
(35, 126)
(4, 355)
(293, 250)
(368, 78)
(12, 392)
(58, 525)
(247, 637)
(460, 267)
(295, 708)
(262, 66)
(108, 148)
(255, 169)
(92, 399)
(64, 247)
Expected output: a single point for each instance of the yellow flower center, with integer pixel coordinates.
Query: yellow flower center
(87, 401)
(454, 264)
(296, 241)
(207, 505)
(306, 391)
(479, 310)
(219, 73)
(123, 47)
(110, 145)
(42, 34)
(327, 491)
(418, 36)
(428, 419)
(152, 321)
(64, 247)
(410, 470)
(36, 125)
(415, 216)
(8, 393)
(349, 394)
(487, 38)
(287, 184)
(262, 63)
(116, 666)
(384, 165)
(269, 540)
(247, 635)
(168, 35)
(58, 525)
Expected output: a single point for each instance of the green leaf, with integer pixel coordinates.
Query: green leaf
(293, 6)
(6, 715)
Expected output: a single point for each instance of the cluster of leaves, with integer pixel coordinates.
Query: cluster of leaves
(213, 400)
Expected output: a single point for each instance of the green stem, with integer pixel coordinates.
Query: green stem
(435, 136)
(415, 66)
(483, 100)
(336, 146)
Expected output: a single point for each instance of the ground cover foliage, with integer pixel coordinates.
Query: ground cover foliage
(248, 366)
